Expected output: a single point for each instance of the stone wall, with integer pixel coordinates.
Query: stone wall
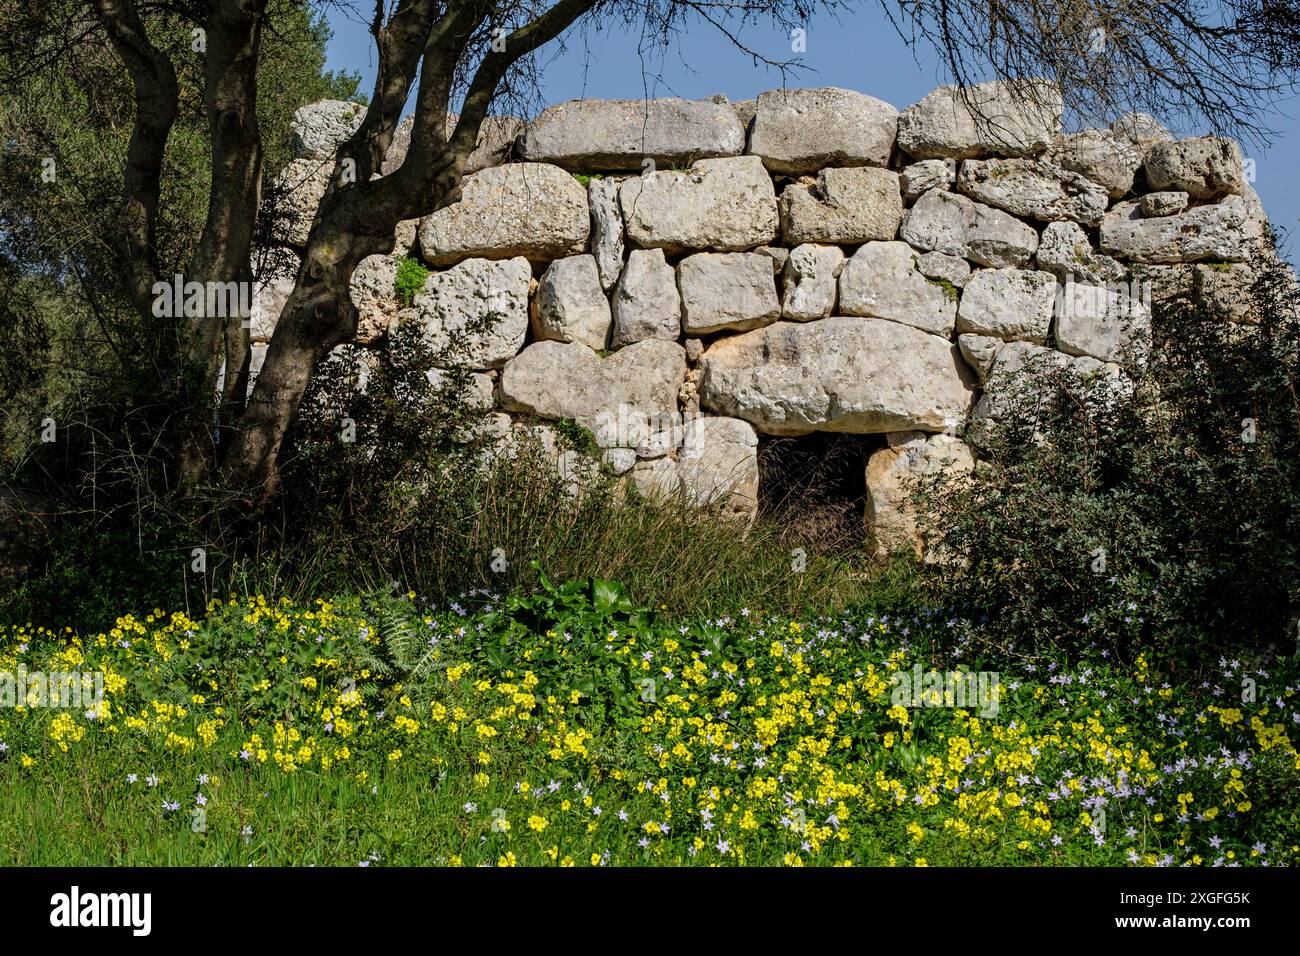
(683, 277)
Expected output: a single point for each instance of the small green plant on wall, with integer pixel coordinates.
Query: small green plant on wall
(411, 274)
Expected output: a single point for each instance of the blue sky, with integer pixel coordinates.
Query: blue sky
(859, 51)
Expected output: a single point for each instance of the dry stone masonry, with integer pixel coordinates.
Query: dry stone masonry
(684, 277)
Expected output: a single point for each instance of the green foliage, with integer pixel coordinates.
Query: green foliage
(387, 730)
(586, 178)
(1166, 518)
(576, 437)
(948, 288)
(411, 274)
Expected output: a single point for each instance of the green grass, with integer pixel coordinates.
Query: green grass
(342, 733)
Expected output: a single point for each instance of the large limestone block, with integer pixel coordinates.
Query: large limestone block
(623, 398)
(1227, 291)
(277, 270)
(606, 230)
(892, 476)
(718, 465)
(1225, 231)
(727, 290)
(476, 312)
(724, 205)
(1169, 203)
(1034, 189)
(658, 480)
(853, 205)
(919, 178)
(473, 392)
(882, 281)
(495, 142)
(841, 374)
(373, 292)
(294, 195)
(647, 304)
(319, 129)
(1140, 130)
(1206, 167)
(939, 265)
(570, 305)
(521, 209)
(1105, 323)
(950, 223)
(1065, 251)
(592, 135)
(1008, 304)
(803, 131)
(979, 351)
(809, 278)
(1104, 157)
(988, 119)
(1022, 371)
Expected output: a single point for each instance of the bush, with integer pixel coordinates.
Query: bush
(1165, 516)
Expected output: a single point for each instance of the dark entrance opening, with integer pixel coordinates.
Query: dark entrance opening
(815, 486)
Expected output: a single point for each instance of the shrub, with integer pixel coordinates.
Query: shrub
(1162, 516)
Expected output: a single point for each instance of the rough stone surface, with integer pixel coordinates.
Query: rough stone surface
(1008, 304)
(810, 274)
(606, 230)
(1140, 130)
(1034, 189)
(373, 294)
(279, 273)
(718, 465)
(318, 129)
(295, 194)
(841, 374)
(802, 131)
(725, 205)
(1223, 231)
(745, 110)
(657, 479)
(476, 394)
(851, 205)
(1207, 167)
(882, 281)
(570, 306)
(979, 352)
(465, 294)
(778, 256)
(940, 265)
(619, 460)
(521, 209)
(1103, 323)
(953, 224)
(594, 135)
(1066, 252)
(892, 473)
(646, 303)
(990, 119)
(496, 140)
(1155, 205)
(1101, 156)
(1226, 290)
(928, 174)
(726, 290)
(621, 399)
(1012, 388)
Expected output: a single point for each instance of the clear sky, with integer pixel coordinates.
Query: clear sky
(859, 51)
